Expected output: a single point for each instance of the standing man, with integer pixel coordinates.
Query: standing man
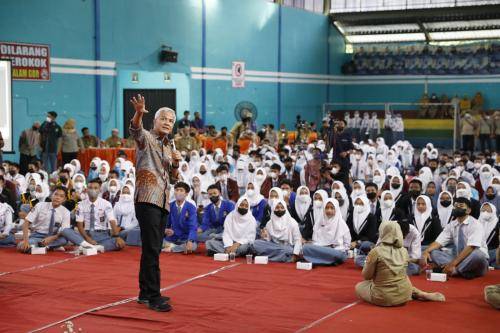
(50, 141)
(29, 141)
(341, 142)
(156, 163)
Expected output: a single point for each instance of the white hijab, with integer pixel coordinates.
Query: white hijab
(332, 230)
(420, 218)
(279, 192)
(485, 176)
(257, 181)
(357, 193)
(386, 212)
(488, 224)
(239, 228)
(285, 228)
(379, 181)
(256, 198)
(444, 213)
(318, 211)
(360, 216)
(302, 202)
(395, 192)
(124, 209)
(344, 209)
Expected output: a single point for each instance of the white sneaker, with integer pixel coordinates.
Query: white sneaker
(99, 248)
(60, 249)
(86, 245)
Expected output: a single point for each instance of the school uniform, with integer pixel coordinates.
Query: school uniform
(258, 211)
(213, 219)
(430, 230)
(229, 190)
(127, 223)
(491, 233)
(468, 233)
(48, 221)
(183, 221)
(112, 198)
(365, 235)
(412, 244)
(6, 226)
(96, 218)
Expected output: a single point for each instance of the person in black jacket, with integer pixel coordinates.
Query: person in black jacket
(388, 209)
(371, 190)
(426, 221)
(302, 211)
(363, 227)
(491, 225)
(407, 201)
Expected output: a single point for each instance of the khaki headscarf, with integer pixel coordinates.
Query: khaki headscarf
(390, 247)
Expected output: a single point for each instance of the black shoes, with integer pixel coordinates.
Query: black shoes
(160, 307)
(163, 299)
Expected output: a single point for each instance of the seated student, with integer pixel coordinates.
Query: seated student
(331, 237)
(214, 215)
(396, 188)
(319, 199)
(302, 208)
(344, 202)
(47, 221)
(275, 194)
(124, 211)
(426, 221)
(411, 242)
(96, 222)
(273, 180)
(407, 201)
(6, 213)
(489, 220)
(182, 226)
(464, 191)
(257, 202)
(280, 239)
(239, 232)
(228, 187)
(372, 195)
(491, 196)
(363, 227)
(388, 209)
(444, 208)
(288, 193)
(386, 282)
(113, 192)
(467, 234)
(38, 192)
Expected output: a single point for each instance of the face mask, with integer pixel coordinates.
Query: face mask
(477, 165)
(251, 170)
(126, 197)
(223, 177)
(12, 172)
(273, 175)
(452, 188)
(250, 193)
(202, 172)
(214, 199)
(486, 174)
(93, 194)
(48, 119)
(335, 171)
(279, 213)
(242, 211)
(357, 192)
(180, 196)
(490, 196)
(462, 193)
(303, 198)
(388, 203)
(486, 216)
(341, 201)
(358, 209)
(371, 195)
(496, 187)
(414, 194)
(318, 204)
(78, 186)
(32, 193)
(377, 178)
(445, 203)
(93, 168)
(113, 189)
(31, 170)
(259, 177)
(63, 180)
(103, 177)
(285, 193)
(459, 212)
(31, 188)
(395, 186)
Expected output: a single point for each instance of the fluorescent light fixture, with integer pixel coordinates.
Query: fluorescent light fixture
(461, 35)
(380, 28)
(386, 38)
(463, 25)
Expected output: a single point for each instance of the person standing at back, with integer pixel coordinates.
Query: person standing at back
(50, 141)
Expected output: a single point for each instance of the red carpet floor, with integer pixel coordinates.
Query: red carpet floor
(38, 291)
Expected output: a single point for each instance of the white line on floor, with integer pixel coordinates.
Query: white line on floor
(41, 266)
(127, 300)
(314, 323)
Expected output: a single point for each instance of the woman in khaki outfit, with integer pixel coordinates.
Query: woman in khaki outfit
(386, 282)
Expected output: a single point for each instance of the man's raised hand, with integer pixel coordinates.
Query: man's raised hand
(139, 104)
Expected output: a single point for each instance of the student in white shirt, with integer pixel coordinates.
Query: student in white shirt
(124, 211)
(47, 220)
(413, 245)
(467, 234)
(6, 225)
(96, 221)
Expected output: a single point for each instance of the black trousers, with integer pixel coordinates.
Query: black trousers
(24, 160)
(485, 142)
(152, 221)
(468, 143)
(67, 157)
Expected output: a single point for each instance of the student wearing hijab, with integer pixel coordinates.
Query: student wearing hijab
(281, 240)
(302, 208)
(396, 188)
(239, 232)
(363, 227)
(467, 235)
(489, 220)
(214, 215)
(113, 192)
(407, 201)
(426, 221)
(127, 222)
(444, 208)
(491, 196)
(358, 189)
(344, 202)
(275, 194)
(257, 202)
(331, 237)
(388, 209)
(386, 282)
(484, 180)
(464, 191)
(379, 178)
(411, 242)
(6, 237)
(432, 193)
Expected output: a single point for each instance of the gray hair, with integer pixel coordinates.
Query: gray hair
(165, 109)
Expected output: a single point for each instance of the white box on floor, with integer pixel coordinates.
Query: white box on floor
(18, 235)
(307, 266)
(439, 277)
(99, 248)
(38, 250)
(91, 251)
(221, 257)
(261, 260)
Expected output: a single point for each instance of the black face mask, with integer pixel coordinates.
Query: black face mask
(63, 180)
(279, 213)
(452, 189)
(433, 169)
(251, 170)
(31, 170)
(93, 168)
(12, 172)
(35, 128)
(214, 199)
(341, 202)
(446, 203)
(414, 194)
(242, 211)
(459, 212)
(395, 186)
(371, 195)
(490, 196)
(203, 172)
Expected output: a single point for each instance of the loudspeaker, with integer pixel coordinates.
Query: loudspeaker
(168, 56)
